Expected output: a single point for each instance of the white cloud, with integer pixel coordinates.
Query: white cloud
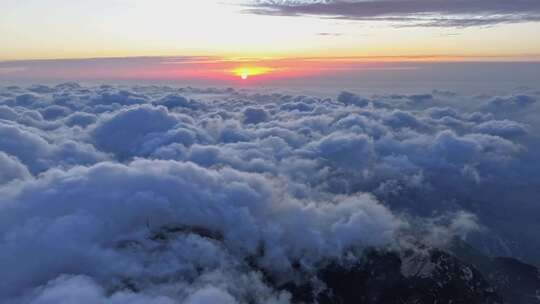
(142, 195)
(11, 169)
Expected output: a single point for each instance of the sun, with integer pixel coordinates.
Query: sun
(245, 72)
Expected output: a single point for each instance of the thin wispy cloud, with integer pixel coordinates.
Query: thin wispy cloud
(427, 13)
(329, 34)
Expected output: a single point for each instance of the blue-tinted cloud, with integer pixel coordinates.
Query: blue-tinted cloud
(187, 195)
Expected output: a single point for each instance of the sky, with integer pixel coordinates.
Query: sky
(233, 30)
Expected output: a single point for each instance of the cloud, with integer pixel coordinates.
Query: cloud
(80, 119)
(324, 34)
(255, 115)
(510, 103)
(38, 153)
(11, 169)
(503, 128)
(249, 211)
(210, 295)
(54, 112)
(81, 289)
(173, 101)
(11, 70)
(125, 130)
(439, 13)
(182, 195)
(345, 149)
(352, 99)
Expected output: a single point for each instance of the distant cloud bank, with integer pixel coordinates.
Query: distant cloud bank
(302, 72)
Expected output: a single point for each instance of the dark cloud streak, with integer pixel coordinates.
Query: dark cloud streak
(438, 13)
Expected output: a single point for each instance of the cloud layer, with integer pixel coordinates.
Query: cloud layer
(438, 13)
(152, 194)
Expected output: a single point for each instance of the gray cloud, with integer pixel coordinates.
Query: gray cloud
(438, 13)
(11, 169)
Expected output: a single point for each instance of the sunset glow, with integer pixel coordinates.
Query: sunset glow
(259, 41)
(245, 72)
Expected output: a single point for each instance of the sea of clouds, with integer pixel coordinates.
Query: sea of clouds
(153, 194)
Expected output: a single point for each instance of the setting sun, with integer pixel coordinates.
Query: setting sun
(246, 72)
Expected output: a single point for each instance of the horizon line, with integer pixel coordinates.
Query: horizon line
(382, 58)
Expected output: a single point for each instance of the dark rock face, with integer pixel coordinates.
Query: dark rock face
(380, 278)
(458, 274)
(514, 280)
(517, 282)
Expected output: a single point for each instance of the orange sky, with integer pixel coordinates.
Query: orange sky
(234, 71)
